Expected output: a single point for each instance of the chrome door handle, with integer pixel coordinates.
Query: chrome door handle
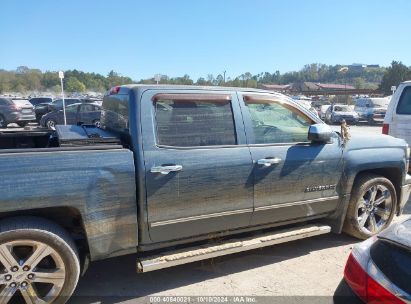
(166, 169)
(267, 162)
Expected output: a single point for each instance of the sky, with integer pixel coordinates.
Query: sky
(139, 38)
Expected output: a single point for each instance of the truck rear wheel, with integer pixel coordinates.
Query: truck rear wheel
(372, 206)
(39, 261)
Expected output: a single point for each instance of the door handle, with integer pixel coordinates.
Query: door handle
(267, 162)
(166, 169)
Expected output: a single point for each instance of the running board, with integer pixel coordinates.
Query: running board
(178, 257)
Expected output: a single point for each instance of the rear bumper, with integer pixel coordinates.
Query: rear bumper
(405, 193)
(17, 117)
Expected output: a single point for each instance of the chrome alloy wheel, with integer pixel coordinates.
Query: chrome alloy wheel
(374, 209)
(51, 124)
(31, 272)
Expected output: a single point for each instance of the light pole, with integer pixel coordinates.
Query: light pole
(157, 78)
(224, 76)
(61, 76)
(344, 71)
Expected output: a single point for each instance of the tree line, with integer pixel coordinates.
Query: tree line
(25, 79)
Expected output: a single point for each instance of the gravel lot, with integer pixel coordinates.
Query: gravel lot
(304, 271)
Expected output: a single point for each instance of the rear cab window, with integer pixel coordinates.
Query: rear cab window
(115, 111)
(404, 104)
(192, 120)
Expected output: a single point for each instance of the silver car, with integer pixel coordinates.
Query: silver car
(19, 111)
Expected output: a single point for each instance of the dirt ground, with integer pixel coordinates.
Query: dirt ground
(303, 271)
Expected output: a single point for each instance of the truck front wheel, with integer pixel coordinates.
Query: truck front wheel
(372, 206)
(39, 261)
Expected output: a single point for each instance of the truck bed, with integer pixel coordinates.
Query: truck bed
(62, 136)
(97, 182)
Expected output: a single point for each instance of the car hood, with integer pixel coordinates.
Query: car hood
(398, 234)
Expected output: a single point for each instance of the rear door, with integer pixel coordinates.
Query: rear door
(89, 113)
(198, 166)
(400, 126)
(293, 178)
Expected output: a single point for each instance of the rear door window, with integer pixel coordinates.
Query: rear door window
(189, 120)
(404, 105)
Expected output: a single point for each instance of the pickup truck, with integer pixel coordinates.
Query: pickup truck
(177, 174)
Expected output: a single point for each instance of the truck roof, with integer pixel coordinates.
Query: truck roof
(124, 89)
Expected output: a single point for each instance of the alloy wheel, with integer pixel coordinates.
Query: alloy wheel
(374, 209)
(31, 272)
(51, 124)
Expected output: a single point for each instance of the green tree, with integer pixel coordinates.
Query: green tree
(394, 75)
(72, 84)
(359, 83)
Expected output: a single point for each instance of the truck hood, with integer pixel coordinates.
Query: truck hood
(357, 142)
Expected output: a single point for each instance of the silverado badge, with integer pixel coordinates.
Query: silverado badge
(319, 188)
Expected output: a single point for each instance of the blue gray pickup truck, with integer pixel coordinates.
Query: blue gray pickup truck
(180, 174)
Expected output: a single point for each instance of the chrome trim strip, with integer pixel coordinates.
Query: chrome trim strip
(200, 217)
(219, 214)
(317, 200)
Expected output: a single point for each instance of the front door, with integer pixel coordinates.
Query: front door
(293, 178)
(198, 167)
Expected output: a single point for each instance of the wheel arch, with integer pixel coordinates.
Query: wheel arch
(68, 218)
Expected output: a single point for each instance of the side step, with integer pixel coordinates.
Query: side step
(178, 257)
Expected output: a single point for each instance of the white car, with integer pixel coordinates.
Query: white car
(372, 110)
(397, 120)
(322, 111)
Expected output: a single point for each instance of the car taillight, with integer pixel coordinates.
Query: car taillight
(360, 281)
(376, 294)
(356, 277)
(385, 129)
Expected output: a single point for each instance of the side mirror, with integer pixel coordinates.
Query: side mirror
(320, 133)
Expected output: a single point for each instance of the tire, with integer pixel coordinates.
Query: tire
(366, 216)
(97, 123)
(3, 122)
(51, 123)
(40, 245)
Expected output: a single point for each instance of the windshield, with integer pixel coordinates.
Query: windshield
(36, 101)
(342, 109)
(22, 103)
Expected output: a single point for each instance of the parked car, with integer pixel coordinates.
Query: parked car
(178, 174)
(57, 104)
(78, 113)
(338, 112)
(397, 121)
(372, 110)
(35, 101)
(378, 270)
(322, 110)
(19, 111)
